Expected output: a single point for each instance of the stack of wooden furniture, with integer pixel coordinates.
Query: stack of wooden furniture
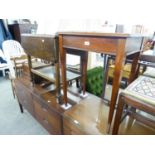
(41, 90)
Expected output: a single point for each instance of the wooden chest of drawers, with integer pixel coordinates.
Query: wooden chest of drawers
(46, 110)
(51, 120)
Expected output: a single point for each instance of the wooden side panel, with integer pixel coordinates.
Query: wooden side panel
(24, 97)
(40, 46)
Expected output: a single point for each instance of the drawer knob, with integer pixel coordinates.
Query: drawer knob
(86, 43)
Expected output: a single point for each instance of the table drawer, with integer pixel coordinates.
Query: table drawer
(49, 119)
(70, 128)
(96, 44)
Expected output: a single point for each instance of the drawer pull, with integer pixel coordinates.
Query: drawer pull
(86, 43)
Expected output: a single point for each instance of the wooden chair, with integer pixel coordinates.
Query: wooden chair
(139, 96)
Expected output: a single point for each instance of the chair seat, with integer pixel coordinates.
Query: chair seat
(143, 89)
(149, 72)
(126, 71)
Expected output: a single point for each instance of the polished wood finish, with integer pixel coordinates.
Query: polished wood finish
(41, 104)
(133, 102)
(90, 116)
(24, 97)
(136, 104)
(40, 46)
(109, 43)
(44, 47)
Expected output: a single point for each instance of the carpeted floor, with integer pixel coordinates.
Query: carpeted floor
(12, 122)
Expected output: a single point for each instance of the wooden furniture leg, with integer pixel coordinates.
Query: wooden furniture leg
(118, 115)
(120, 60)
(84, 60)
(21, 108)
(63, 68)
(57, 82)
(30, 67)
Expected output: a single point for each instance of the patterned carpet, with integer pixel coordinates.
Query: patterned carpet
(12, 122)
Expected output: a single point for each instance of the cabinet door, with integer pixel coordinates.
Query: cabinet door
(24, 96)
(48, 118)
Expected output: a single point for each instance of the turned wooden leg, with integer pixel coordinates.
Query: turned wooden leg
(118, 115)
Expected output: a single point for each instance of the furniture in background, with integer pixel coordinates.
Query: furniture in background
(38, 89)
(12, 69)
(138, 99)
(44, 47)
(120, 45)
(40, 103)
(94, 81)
(17, 54)
(17, 29)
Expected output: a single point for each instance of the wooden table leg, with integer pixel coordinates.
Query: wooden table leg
(84, 60)
(30, 67)
(118, 115)
(63, 68)
(120, 60)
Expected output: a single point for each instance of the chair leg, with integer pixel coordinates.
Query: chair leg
(118, 115)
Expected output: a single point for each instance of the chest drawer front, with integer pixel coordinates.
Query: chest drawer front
(70, 128)
(44, 122)
(48, 117)
(96, 44)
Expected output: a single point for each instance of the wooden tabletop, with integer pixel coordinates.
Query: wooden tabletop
(122, 35)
